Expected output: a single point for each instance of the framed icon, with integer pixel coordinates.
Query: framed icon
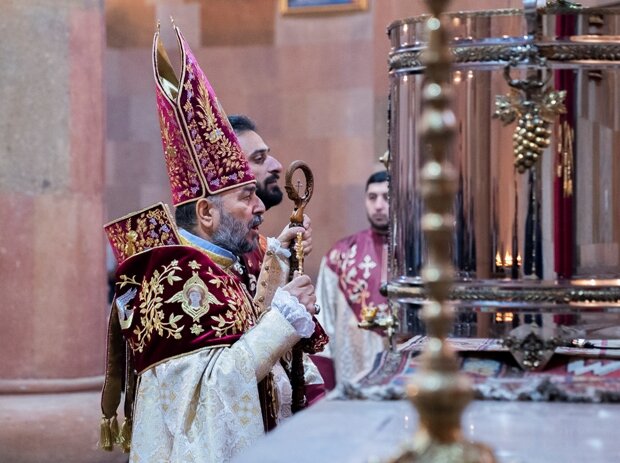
(321, 6)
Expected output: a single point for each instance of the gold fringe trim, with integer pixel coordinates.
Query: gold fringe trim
(125, 435)
(114, 431)
(109, 433)
(105, 435)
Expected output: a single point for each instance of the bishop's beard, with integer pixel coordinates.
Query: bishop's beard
(232, 234)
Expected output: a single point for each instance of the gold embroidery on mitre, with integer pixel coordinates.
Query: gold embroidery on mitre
(195, 298)
(170, 150)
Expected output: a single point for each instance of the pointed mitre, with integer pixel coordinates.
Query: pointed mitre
(202, 153)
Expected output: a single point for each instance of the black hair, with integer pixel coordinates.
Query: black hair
(185, 216)
(377, 177)
(241, 123)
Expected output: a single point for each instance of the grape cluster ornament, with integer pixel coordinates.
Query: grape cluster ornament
(534, 106)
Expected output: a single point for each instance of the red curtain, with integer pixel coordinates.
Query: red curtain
(563, 199)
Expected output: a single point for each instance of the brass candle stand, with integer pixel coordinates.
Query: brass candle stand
(438, 391)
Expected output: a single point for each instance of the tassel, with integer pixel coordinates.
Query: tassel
(125, 436)
(115, 434)
(105, 435)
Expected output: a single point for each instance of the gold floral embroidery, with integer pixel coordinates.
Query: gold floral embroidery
(221, 160)
(152, 319)
(194, 265)
(125, 280)
(184, 179)
(240, 316)
(196, 329)
(245, 409)
(234, 313)
(206, 118)
(142, 230)
(170, 150)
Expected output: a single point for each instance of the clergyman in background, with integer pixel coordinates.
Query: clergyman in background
(350, 276)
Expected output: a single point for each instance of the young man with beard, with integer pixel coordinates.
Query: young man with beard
(349, 279)
(268, 170)
(206, 356)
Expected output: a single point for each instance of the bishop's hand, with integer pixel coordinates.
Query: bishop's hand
(288, 235)
(302, 288)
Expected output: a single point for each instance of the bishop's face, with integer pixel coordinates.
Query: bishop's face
(239, 214)
(377, 206)
(266, 168)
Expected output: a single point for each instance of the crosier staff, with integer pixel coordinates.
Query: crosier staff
(297, 265)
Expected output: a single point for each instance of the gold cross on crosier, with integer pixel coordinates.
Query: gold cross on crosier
(300, 201)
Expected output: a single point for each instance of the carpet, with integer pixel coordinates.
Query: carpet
(572, 374)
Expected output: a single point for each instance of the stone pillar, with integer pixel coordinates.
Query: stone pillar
(52, 265)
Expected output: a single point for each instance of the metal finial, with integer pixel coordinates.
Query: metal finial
(385, 159)
(439, 392)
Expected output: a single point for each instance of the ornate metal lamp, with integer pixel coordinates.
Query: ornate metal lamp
(438, 391)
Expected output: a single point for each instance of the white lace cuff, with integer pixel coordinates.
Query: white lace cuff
(295, 313)
(274, 245)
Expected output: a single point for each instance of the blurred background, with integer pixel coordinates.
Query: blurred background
(80, 145)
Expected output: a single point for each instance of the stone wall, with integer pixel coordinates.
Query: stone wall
(316, 85)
